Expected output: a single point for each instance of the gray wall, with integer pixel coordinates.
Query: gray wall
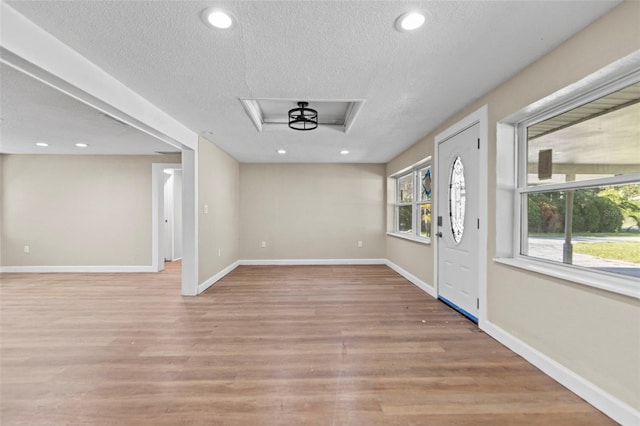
(77, 210)
(312, 211)
(218, 187)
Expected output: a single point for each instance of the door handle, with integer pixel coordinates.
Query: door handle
(439, 235)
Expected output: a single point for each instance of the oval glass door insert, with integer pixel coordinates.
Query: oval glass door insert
(457, 199)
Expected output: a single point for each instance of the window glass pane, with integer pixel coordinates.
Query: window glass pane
(425, 184)
(405, 189)
(425, 220)
(603, 228)
(598, 139)
(405, 219)
(457, 199)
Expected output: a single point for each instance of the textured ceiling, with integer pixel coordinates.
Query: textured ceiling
(34, 112)
(329, 50)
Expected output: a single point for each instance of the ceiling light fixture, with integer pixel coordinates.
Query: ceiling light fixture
(42, 144)
(303, 118)
(217, 18)
(82, 145)
(344, 152)
(410, 21)
(281, 151)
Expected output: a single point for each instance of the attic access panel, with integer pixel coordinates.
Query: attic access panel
(271, 114)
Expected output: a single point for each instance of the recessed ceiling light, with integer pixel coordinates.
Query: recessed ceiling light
(344, 152)
(410, 21)
(281, 151)
(42, 144)
(217, 18)
(82, 145)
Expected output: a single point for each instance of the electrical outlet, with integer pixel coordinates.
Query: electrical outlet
(219, 252)
(263, 244)
(360, 244)
(27, 249)
(206, 208)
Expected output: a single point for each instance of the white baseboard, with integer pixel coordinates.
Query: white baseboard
(413, 279)
(74, 269)
(603, 401)
(217, 277)
(313, 262)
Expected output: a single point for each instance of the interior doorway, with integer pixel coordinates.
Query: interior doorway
(167, 197)
(172, 214)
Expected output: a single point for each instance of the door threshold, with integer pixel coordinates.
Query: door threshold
(458, 308)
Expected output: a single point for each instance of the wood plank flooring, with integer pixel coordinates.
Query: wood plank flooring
(267, 345)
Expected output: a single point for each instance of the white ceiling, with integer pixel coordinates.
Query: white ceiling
(324, 50)
(35, 112)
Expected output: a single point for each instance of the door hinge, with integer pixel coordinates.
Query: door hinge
(478, 143)
(478, 223)
(478, 303)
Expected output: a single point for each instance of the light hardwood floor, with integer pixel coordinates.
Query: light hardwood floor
(267, 345)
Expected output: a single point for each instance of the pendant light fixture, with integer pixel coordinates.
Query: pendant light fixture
(303, 118)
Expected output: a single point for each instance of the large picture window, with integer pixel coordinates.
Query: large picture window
(579, 183)
(413, 202)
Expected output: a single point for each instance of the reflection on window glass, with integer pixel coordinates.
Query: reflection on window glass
(596, 140)
(405, 189)
(425, 220)
(405, 219)
(597, 228)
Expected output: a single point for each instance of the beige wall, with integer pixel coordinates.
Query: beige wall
(218, 187)
(312, 211)
(594, 333)
(74, 210)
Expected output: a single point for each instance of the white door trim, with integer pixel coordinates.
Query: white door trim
(189, 219)
(189, 222)
(157, 209)
(481, 117)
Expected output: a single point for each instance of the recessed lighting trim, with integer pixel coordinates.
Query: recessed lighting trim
(217, 18)
(410, 21)
(42, 144)
(344, 152)
(82, 145)
(281, 151)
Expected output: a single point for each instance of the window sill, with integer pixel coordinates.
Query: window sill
(627, 286)
(421, 240)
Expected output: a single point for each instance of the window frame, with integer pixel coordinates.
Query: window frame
(398, 203)
(512, 186)
(416, 203)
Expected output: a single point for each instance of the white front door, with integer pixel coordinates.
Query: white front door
(458, 220)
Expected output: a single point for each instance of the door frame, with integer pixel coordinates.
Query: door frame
(157, 213)
(481, 117)
(170, 249)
